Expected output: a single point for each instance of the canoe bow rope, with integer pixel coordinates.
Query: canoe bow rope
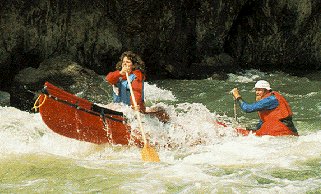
(35, 106)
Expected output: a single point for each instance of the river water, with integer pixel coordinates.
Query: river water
(197, 155)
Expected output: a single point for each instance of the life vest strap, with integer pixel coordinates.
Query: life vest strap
(289, 123)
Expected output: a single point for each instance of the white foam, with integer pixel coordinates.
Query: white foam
(155, 94)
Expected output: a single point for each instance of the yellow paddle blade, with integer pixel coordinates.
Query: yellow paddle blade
(149, 154)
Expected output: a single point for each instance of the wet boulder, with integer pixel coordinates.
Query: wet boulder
(63, 72)
(4, 98)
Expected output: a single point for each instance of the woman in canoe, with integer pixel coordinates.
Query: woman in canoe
(273, 109)
(132, 64)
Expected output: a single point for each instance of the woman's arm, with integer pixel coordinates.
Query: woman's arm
(137, 85)
(113, 77)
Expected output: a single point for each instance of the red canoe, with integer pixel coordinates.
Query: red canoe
(246, 132)
(239, 131)
(77, 118)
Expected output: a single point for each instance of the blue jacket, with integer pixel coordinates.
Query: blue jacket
(267, 103)
(124, 91)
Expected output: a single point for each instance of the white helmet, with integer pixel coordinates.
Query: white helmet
(262, 84)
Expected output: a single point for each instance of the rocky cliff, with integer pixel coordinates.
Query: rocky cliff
(176, 38)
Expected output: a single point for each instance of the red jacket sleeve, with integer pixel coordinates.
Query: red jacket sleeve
(113, 77)
(137, 85)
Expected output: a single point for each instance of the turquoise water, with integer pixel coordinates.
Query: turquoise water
(197, 155)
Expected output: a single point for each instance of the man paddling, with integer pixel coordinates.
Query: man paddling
(273, 109)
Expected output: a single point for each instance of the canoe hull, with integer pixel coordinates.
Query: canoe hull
(73, 117)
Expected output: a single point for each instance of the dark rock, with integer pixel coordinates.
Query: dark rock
(4, 98)
(282, 35)
(62, 72)
(176, 39)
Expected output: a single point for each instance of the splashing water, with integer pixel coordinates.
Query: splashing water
(197, 154)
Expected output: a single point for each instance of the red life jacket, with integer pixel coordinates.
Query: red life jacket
(271, 119)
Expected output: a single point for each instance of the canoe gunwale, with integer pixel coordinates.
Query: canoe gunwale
(104, 112)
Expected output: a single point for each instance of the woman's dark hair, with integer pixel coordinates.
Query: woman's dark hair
(138, 63)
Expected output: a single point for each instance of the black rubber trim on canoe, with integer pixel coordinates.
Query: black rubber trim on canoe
(99, 111)
(103, 110)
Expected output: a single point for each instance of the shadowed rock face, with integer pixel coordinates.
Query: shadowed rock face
(277, 34)
(187, 39)
(4, 99)
(63, 72)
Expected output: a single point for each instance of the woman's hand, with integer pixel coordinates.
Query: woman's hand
(125, 69)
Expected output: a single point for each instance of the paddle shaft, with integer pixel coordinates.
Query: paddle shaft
(137, 112)
(235, 113)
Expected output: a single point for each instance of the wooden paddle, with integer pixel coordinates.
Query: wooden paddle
(235, 110)
(148, 153)
(235, 106)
